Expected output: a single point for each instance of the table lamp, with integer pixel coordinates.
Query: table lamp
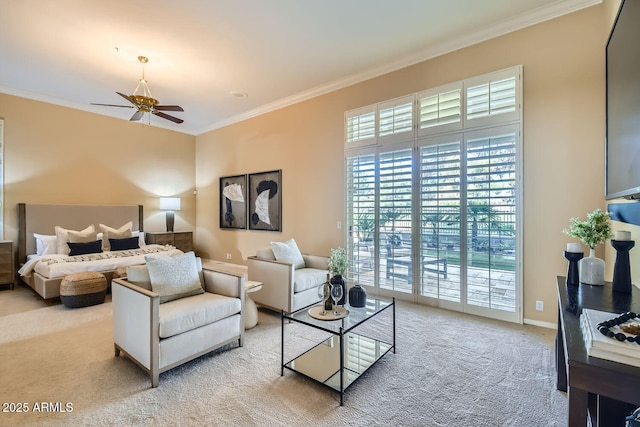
(170, 204)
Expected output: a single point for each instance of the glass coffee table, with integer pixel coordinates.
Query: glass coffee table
(338, 361)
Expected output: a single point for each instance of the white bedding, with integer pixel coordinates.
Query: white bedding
(58, 265)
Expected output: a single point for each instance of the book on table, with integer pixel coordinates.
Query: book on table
(604, 347)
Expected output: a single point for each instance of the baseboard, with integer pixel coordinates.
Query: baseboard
(548, 325)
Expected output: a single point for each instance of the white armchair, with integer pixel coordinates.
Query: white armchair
(285, 287)
(159, 337)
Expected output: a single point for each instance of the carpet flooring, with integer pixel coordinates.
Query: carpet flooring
(450, 369)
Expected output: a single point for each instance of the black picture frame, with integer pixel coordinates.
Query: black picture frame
(233, 202)
(265, 200)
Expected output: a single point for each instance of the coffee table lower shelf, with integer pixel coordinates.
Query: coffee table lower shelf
(322, 362)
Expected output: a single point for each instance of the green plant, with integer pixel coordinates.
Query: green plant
(338, 261)
(595, 230)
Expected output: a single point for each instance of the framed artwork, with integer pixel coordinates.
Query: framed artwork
(233, 205)
(265, 200)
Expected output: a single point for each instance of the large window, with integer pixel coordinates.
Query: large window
(432, 201)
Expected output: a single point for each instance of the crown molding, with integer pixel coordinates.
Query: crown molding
(536, 16)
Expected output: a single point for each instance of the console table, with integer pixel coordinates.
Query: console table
(605, 391)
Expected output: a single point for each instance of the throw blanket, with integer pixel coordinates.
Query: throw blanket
(60, 265)
(107, 255)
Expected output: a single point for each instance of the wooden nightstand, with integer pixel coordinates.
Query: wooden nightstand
(7, 269)
(182, 240)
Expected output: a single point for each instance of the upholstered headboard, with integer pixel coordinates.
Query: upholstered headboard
(42, 219)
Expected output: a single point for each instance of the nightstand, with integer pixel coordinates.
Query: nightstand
(7, 269)
(182, 240)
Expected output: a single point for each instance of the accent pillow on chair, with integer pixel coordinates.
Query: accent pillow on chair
(174, 277)
(288, 252)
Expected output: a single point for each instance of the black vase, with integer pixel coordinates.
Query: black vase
(357, 296)
(339, 280)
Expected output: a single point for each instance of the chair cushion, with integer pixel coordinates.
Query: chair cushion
(185, 314)
(307, 278)
(288, 252)
(174, 277)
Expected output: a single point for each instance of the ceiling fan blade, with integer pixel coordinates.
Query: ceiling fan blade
(127, 97)
(136, 116)
(113, 105)
(168, 108)
(168, 117)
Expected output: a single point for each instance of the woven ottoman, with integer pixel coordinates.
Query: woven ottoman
(83, 289)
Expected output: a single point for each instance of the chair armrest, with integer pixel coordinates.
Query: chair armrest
(135, 320)
(316, 261)
(223, 283)
(277, 278)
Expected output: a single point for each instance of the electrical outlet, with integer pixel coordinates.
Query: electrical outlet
(539, 305)
(339, 225)
(228, 256)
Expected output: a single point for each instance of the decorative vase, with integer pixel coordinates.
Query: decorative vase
(622, 267)
(573, 277)
(339, 280)
(592, 269)
(357, 296)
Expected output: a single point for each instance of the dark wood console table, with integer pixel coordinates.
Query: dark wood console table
(605, 391)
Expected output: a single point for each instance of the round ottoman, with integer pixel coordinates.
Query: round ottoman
(83, 289)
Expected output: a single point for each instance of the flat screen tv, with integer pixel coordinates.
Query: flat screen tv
(622, 165)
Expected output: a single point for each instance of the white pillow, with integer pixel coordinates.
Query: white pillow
(46, 244)
(288, 252)
(140, 235)
(114, 233)
(174, 277)
(64, 235)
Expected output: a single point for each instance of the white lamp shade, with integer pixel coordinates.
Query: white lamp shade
(170, 203)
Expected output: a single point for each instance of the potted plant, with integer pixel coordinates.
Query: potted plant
(337, 266)
(592, 232)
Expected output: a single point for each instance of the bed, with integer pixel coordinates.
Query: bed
(44, 272)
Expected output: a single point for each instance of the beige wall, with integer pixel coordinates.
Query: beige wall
(564, 99)
(61, 155)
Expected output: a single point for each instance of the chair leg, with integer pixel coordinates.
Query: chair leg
(155, 379)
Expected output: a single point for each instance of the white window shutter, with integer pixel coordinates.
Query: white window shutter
(440, 109)
(395, 119)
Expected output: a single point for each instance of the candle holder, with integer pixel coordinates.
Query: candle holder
(573, 278)
(622, 267)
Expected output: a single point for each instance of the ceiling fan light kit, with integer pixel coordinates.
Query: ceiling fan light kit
(146, 103)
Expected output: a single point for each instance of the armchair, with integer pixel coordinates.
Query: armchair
(285, 287)
(160, 336)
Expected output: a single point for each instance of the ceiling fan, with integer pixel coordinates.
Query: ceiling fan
(146, 103)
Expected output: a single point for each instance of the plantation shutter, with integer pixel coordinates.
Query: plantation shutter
(396, 119)
(440, 109)
(395, 219)
(360, 127)
(491, 212)
(492, 99)
(440, 184)
(361, 216)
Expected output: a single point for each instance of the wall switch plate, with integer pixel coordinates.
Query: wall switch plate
(339, 225)
(228, 256)
(539, 305)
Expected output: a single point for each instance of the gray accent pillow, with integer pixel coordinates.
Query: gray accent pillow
(174, 277)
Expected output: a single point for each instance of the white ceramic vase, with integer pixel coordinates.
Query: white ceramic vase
(592, 269)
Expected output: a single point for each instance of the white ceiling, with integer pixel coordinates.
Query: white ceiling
(278, 52)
